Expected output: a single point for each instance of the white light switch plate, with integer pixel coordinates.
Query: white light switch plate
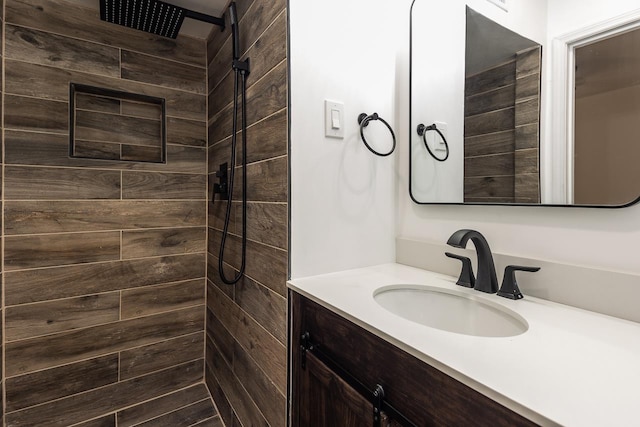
(439, 144)
(334, 119)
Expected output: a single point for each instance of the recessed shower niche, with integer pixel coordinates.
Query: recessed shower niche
(107, 124)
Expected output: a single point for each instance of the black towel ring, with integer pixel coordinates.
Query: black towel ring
(363, 121)
(422, 131)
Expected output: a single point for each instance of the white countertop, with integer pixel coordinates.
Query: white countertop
(572, 367)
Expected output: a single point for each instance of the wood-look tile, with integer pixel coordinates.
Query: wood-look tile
(222, 403)
(243, 406)
(271, 402)
(265, 306)
(141, 109)
(146, 243)
(148, 69)
(266, 181)
(97, 150)
(91, 404)
(155, 185)
(40, 387)
(492, 143)
(264, 98)
(186, 132)
(494, 121)
(526, 161)
(501, 186)
(38, 47)
(527, 136)
(83, 22)
(259, 16)
(527, 112)
(65, 282)
(218, 68)
(267, 351)
(157, 299)
(143, 360)
(95, 126)
(219, 336)
(108, 421)
(528, 62)
(89, 102)
(35, 217)
(52, 83)
(29, 148)
(497, 99)
(495, 165)
(29, 183)
(31, 320)
(137, 153)
(66, 347)
(186, 416)
(211, 422)
(528, 86)
(502, 75)
(157, 407)
(489, 200)
(35, 114)
(268, 265)
(212, 274)
(527, 188)
(60, 249)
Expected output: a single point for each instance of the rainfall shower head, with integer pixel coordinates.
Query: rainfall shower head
(152, 16)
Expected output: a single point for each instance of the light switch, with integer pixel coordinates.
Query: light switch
(442, 127)
(333, 119)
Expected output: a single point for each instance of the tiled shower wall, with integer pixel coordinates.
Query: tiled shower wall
(246, 323)
(105, 262)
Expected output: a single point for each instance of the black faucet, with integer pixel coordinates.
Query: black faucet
(486, 280)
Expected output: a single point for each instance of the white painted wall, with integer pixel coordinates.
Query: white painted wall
(438, 81)
(599, 238)
(342, 196)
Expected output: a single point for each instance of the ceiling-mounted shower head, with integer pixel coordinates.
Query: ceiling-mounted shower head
(152, 16)
(235, 33)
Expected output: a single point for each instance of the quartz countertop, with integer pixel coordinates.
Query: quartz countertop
(571, 367)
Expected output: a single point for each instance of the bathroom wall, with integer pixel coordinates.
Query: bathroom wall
(104, 284)
(1, 227)
(600, 238)
(246, 323)
(342, 195)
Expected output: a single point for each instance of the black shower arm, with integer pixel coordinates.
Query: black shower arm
(205, 18)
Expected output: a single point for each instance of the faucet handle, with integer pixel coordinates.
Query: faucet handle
(466, 278)
(509, 288)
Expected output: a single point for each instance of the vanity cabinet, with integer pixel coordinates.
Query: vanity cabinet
(323, 391)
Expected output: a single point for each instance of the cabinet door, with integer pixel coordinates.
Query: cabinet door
(327, 400)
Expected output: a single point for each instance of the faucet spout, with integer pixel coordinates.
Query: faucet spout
(486, 280)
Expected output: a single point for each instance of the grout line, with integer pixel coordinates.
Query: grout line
(164, 414)
(491, 112)
(114, 169)
(3, 391)
(124, 230)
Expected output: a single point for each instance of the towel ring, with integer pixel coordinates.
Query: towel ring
(422, 131)
(363, 121)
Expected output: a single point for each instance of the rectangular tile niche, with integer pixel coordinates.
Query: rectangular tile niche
(107, 124)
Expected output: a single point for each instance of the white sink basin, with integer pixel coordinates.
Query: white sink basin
(450, 310)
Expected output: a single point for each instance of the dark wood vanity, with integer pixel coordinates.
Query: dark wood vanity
(330, 353)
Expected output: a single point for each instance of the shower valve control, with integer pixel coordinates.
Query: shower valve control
(222, 187)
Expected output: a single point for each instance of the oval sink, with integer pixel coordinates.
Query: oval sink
(449, 310)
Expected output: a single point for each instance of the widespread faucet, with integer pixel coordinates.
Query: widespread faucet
(486, 280)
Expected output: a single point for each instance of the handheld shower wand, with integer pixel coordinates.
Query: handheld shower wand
(241, 71)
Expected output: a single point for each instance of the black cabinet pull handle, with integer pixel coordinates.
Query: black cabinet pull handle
(509, 288)
(466, 279)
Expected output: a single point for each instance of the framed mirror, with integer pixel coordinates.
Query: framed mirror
(529, 102)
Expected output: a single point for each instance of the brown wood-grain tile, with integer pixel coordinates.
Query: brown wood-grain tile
(527, 112)
(186, 416)
(33, 183)
(141, 109)
(527, 136)
(494, 165)
(83, 22)
(527, 188)
(211, 422)
(528, 62)
(36, 217)
(499, 186)
(156, 185)
(146, 243)
(157, 299)
(186, 132)
(64, 282)
(97, 150)
(66, 347)
(265, 306)
(149, 69)
(143, 360)
(23, 252)
(31, 320)
(492, 143)
(493, 121)
(267, 351)
(34, 114)
(528, 86)
(42, 386)
(39, 47)
(526, 161)
(267, 181)
(95, 403)
(266, 223)
(222, 403)
(496, 99)
(219, 335)
(52, 83)
(108, 421)
(95, 126)
(162, 405)
(499, 76)
(90, 102)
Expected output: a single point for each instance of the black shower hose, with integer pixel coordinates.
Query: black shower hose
(225, 230)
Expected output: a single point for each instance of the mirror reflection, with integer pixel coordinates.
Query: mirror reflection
(538, 101)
